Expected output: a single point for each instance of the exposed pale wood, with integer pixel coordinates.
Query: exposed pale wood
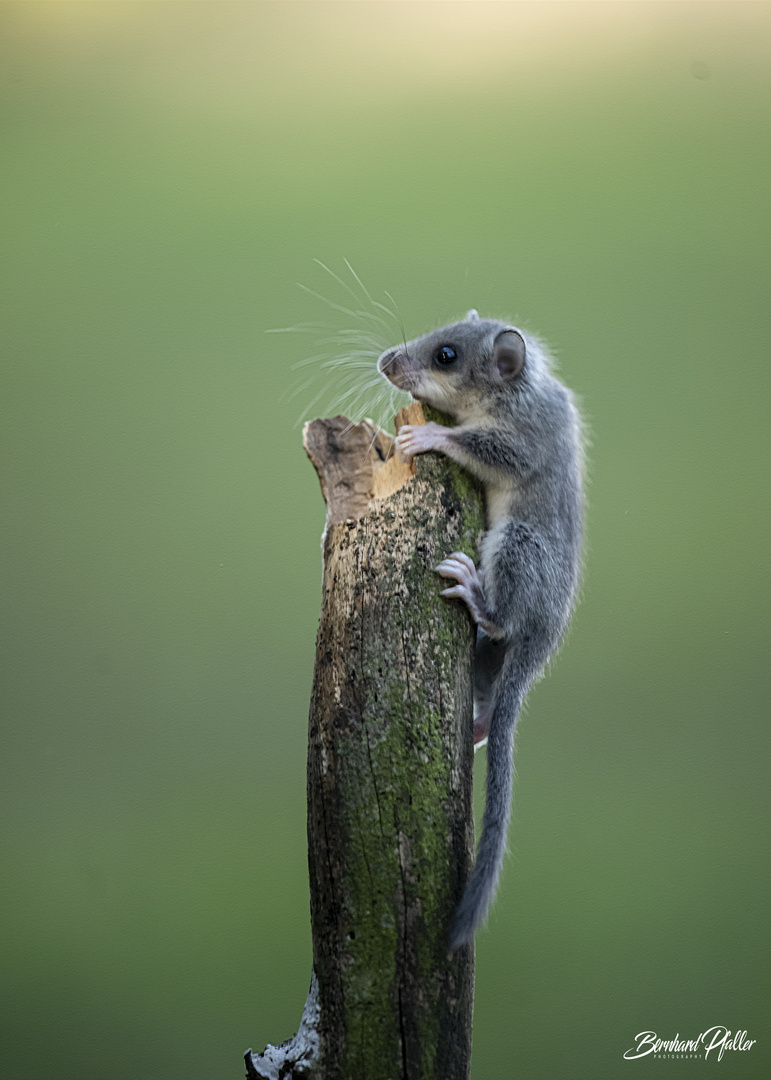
(357, 463)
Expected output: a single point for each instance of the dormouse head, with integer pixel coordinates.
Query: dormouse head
(463, 369)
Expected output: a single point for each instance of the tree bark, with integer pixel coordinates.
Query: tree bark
(390, 822)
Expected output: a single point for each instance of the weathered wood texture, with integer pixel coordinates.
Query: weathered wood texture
(390, 824)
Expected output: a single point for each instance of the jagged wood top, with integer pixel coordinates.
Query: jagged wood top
(357, 464)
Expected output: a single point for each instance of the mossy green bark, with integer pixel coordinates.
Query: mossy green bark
(390, 824)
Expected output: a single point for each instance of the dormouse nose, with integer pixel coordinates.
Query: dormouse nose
(389, 357)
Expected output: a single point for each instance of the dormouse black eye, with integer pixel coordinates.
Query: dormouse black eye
(445, 355)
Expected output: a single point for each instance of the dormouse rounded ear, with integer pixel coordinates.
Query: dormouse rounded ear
(509, 354)
(473, 316)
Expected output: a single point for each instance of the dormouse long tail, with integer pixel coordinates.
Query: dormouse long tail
(483, 881)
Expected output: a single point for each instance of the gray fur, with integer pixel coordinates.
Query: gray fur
(519, 432)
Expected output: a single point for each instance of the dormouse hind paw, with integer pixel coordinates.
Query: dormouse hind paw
(470, 589)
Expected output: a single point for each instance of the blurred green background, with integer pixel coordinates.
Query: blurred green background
(599, 173)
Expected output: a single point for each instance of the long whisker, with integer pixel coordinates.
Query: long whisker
(301, 328)
(361, 284)
(340, 281)
(344, 310)
(364, 289)
(399, 319)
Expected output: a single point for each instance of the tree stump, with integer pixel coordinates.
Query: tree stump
(390, 757)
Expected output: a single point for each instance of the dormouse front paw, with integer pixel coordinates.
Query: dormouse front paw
(417, 438)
